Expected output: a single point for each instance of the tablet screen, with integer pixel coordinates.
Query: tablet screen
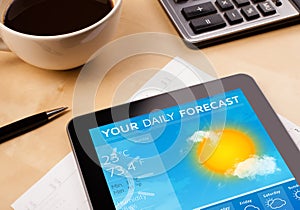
(212, 153)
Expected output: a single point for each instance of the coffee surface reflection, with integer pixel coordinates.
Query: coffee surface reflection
(54, 17)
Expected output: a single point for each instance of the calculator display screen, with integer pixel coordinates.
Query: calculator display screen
(176, 158)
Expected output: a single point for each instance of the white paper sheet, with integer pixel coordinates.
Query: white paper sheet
(61, 188)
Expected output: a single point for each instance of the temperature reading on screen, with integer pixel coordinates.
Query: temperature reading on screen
(120, 162)
(114, 157)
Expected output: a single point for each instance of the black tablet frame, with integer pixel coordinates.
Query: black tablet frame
(91, 173)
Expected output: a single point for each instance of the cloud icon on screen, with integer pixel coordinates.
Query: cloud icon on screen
(199, 136)
(251, 207)
(255, 166)
(276, 203)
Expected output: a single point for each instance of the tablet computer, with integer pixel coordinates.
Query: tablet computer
(215, 146)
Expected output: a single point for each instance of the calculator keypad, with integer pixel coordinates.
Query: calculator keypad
(201, 20)
(243, 10)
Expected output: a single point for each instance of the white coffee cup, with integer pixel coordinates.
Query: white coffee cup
(59, 52)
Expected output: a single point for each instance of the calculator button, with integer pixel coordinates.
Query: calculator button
(256, 1)
(198, 10)
(278, 3)
(266, 8)
(179, 1)
(208, 23)
(249, 12)
(233, 17)
(241, 3)
(224, 4)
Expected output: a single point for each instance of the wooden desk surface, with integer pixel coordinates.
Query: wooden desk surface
(271, 58)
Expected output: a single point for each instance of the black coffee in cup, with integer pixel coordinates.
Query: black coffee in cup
(54, 17)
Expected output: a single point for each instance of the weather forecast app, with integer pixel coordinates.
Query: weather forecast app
(210, 154)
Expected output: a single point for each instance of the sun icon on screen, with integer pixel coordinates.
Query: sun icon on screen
(232, 147)
(297, 194)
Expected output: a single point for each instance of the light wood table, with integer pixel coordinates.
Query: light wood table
(272, 58)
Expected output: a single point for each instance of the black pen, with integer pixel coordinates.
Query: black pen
(28, 124)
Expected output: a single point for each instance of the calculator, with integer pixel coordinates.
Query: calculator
(207, 22)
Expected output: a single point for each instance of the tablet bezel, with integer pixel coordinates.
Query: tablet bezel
(92, 175)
